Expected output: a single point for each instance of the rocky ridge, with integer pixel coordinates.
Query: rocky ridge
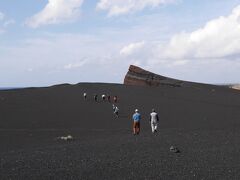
(237, 86)
(139, 76)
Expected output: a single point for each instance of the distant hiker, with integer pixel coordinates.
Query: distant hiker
(154, 120)
(113, 107)
(95, 97)
(115, 99)
(103, 97)
(85, 96)
(116, 110)
(136, 122)
(109, 98)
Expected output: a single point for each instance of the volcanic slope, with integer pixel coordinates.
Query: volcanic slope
(203, 121)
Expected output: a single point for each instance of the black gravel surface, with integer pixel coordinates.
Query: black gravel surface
(202, 121)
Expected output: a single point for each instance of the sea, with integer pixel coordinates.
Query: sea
(9, 88)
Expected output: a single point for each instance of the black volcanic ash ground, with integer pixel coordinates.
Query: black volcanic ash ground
(202, 122)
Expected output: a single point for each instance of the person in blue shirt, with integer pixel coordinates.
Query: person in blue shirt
(136, 122)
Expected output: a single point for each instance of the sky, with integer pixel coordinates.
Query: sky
(50, 42)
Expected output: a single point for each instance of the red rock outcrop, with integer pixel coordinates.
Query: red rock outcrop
(236, 86)
(139, 76)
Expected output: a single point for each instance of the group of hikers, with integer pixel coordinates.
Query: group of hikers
(113, 99)
(153, 118)
(104, 97)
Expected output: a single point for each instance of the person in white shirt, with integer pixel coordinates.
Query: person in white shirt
(85, 96)
(116, 110)
(103, 97)
(154, 120)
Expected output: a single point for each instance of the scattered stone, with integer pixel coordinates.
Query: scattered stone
(174, 149)
(66, 138)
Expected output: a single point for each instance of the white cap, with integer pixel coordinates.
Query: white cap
(136, 110)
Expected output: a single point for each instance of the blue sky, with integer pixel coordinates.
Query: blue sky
(69, 41)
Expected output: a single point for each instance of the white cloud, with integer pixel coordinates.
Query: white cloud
(55, 12)
(1, 16)
(4, 23)
(179, 62)
(8, 22)
(210, 54)
(74, 65)
(132, 48)
(178, 57)
(119, 7)
(30, 69)
(52, 63)
(2, 31)
(219, 38)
